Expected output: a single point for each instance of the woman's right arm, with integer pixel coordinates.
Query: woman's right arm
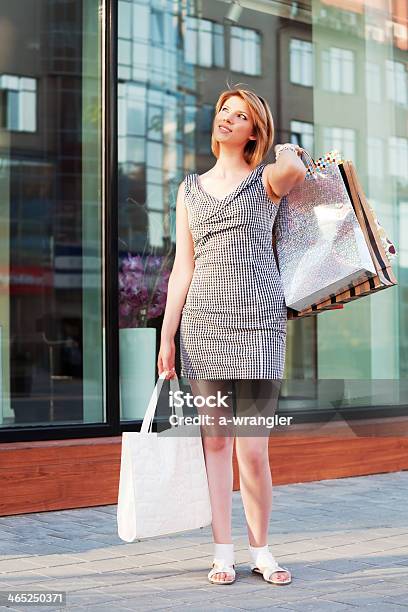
(179, 283)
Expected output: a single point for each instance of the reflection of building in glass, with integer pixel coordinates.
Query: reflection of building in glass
(301, 62)
(153, 89)
(48, 117)
(18, 110)
(322, 86)
(204, 43)
(302, 134)
(245, 51)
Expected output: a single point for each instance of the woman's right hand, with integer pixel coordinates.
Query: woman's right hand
(166, 359)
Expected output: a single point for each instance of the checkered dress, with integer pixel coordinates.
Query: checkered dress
(233, 323)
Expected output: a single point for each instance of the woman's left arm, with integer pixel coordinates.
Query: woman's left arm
(287, 171)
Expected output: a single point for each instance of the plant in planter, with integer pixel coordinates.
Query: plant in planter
(143, 284)
(142, 289)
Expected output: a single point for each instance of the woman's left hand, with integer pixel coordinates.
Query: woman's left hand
(298, 149)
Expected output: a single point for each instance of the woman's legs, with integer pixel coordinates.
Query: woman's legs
(218, 447)
(254, 398)
(256, 486)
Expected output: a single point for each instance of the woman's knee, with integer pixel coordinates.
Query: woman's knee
(254, 456)
(218, 443)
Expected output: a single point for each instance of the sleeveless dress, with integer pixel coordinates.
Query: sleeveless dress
(234, 320)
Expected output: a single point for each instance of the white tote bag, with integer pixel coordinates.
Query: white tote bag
(163, 485)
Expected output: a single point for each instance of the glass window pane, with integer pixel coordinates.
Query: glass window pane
(141, 18)
(10, 82)
(51, 306)
(375, 156)
(219, 56)
(27, 111)
(205, 43)
(324, 77)
(28, 84)
(124, 19)
(245, 52)
(124, 52)
(373, 81)
(190, 44)
(13, 110)
(302, 133)
(301, 68)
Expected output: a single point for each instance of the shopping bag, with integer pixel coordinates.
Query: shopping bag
(163, 485)
(307, 312)
(382, 249)
(320, 245)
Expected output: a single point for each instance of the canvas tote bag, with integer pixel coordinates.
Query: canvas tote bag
(163, 485)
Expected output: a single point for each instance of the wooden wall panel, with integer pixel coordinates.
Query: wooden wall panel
(38, 476)
(62, 474)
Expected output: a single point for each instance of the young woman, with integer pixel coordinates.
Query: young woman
(226, 288)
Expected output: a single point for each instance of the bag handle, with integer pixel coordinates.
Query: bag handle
(308, 160)
(151, 409)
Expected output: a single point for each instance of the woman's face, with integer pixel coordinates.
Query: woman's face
(233, 124)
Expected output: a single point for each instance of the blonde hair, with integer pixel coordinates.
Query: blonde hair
(255, 150)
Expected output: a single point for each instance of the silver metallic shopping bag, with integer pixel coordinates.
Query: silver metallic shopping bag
(320, 245)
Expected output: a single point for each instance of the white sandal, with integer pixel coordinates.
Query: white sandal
(265, 563)
(223, 562)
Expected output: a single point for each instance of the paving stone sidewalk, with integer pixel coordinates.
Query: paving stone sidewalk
(345, 542)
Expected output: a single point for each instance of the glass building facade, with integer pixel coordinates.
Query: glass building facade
(104, 108)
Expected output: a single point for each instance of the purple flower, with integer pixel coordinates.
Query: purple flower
(143, 285)
(133, 264)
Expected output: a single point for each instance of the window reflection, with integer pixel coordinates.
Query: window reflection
(50, 209)
(245, 51)
(338, 70)
(204, 43)
(373, 81)
(18, 103)
(341, 138)
(303, 134)
(343, 60)
(398, 158)
(396, 81)
(301, 62)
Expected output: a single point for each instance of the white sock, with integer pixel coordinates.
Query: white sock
(224, 551)
(257, 551)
